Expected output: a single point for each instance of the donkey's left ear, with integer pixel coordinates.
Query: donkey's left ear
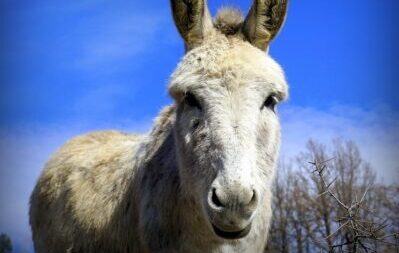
(264, 21)
(192, 19)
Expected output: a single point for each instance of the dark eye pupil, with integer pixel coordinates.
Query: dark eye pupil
(270, 103)
(192, 101)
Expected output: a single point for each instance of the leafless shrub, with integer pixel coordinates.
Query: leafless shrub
(333, 204)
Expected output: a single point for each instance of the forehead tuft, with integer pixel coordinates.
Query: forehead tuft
(229, 21)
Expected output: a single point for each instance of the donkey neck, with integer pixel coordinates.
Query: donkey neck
(165, 197)
(159, 148)
(159, 175)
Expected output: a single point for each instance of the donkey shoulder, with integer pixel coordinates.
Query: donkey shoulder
(94, 151)
(90, 175)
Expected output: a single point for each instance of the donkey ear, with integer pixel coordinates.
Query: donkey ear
(192, 19)
(264, 21)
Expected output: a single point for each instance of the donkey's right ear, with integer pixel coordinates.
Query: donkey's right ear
(192, 19)
(264, 21)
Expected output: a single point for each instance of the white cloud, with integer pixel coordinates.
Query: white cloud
(103, 100)
(111, 39)
(374, 131)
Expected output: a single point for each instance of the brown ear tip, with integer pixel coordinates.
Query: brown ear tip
(264, 21)
(191, 19)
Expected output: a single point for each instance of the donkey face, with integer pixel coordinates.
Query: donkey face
(227, 132)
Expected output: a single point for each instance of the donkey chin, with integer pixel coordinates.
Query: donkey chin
(230, 210)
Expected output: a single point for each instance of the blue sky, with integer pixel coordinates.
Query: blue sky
(68, 67)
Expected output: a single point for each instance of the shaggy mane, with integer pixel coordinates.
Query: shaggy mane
(229, 21)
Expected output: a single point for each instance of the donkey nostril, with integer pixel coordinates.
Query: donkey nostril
(215, 199)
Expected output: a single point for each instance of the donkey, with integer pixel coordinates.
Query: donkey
(200, 181)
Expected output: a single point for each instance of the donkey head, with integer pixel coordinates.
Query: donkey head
(226, 90)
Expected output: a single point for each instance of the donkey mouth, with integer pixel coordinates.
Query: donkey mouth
(231, 235)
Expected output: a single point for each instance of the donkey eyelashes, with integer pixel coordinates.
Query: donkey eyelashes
(192, 101)
(270, 103)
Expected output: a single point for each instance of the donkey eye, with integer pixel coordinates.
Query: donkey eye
(270, 102)
(192, 101)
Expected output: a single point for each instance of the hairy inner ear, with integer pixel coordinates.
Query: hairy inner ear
(264, 21)
(192, 20)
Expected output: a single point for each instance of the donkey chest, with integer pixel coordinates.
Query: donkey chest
(253, 243)
(247, 245)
